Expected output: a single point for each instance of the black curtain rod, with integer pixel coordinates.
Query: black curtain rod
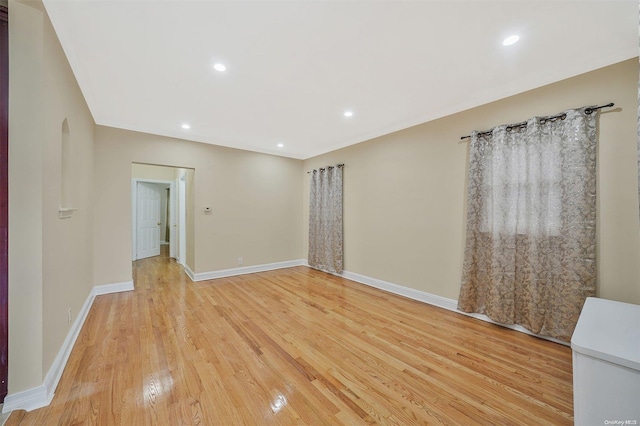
(324, 168)
(543, 120)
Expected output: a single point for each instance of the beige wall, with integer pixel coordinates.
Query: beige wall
(150, 171)
(26, 130)
(405, 195)
(50, 259)
(256, 201)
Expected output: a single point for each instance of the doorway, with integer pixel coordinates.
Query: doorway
(159, 211)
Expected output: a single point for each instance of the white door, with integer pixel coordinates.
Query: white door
(148, 220)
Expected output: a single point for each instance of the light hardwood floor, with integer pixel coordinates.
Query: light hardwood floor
(297, 346)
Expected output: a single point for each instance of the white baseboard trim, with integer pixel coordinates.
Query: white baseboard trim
(435, 300)
(113, 288)
(42, 395)
(202, 276)
(29, 399)
(189, 272)
(411, 293)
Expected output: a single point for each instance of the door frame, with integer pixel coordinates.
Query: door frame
(181, 199)
(173, 203)
(134, 213)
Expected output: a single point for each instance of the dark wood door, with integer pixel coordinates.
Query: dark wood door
(4, 199)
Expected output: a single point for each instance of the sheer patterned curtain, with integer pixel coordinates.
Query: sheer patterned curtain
(530, 256)
(325, 219)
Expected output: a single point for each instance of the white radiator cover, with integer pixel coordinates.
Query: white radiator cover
(606, 364)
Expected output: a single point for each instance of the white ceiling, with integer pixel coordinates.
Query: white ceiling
(293, 68)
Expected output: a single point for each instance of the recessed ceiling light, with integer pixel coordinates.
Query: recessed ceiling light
(219, 67)
(280, 145)
(348, 114)
(510, 40)
(186, 126)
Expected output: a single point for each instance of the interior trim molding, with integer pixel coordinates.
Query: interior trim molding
(113, 288)
(202, 276)
(28, 400)
(421, 296)
(41, 396)
(189, 272)
(435, 300)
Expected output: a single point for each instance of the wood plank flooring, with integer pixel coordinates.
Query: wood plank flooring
(297, 346)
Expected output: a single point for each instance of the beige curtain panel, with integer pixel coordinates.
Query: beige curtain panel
(530, 256)
(325, 219)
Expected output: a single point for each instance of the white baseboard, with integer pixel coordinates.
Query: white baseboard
(189, 272)
(42, 395)
(113, 288)
(435, 300)
(29, 399)
(202, 276)
(411, 293)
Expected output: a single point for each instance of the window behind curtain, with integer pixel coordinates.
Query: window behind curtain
(531, 216)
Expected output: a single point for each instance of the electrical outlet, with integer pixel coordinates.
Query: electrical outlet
(239, 261)
(69, 316)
